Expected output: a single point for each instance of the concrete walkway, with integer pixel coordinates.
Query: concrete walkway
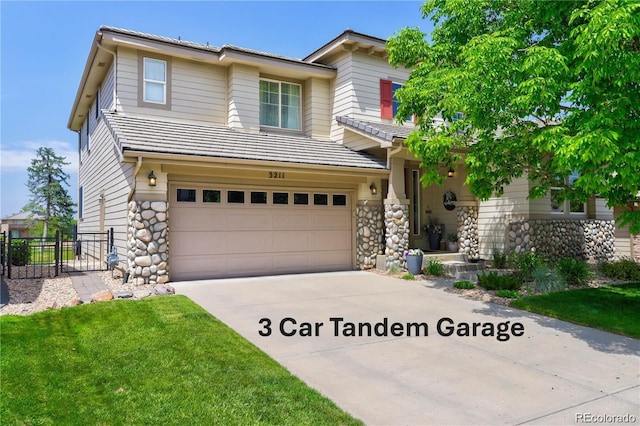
(555, 373)
(87, 284)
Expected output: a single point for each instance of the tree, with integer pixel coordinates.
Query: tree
(546, 90)
(48, 196)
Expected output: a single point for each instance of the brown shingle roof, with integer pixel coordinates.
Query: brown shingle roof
(145, 134)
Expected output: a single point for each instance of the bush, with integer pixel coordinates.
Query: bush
(499, 259)
(20, 253)
(408, 276)
(509, 294)
(434, 267)
(546, 280)
(574, 272)
(494, 281)
(624, 269)
(525, 263)
(464, 285)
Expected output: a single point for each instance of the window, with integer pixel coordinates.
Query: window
(339, 200)
(97, 103)
(87, 139)
(211, 196)
(321, 199)
(299, 198)
(388, 102)
(80, 202)
(280, 104)
(186, 195)
(280, 198)
(235, 197)
(560, 206)
(155, 81)
(258, 197)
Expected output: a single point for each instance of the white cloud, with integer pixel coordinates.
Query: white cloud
(17, 158)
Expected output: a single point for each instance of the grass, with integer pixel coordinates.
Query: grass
(611, 308)
(161, 360)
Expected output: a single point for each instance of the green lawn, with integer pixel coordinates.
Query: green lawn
(610, 308)
(161, 360)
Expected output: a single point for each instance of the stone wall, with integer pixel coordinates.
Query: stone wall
(396, 221)
(370, 235)
(148, 242)
(589, 239)
(468, 241)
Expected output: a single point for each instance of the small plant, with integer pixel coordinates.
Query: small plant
(434, 267)
(413, 252)
(20, 253)
(494, 281)
(525, 263)
(408, 276)
(509, 294)
(452, 238)
(623, 269)
(575, 272)
(464, 285)
(547, 280)
(394, 268)
(499, 259)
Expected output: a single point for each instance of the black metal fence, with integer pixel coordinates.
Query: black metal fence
(37, 257)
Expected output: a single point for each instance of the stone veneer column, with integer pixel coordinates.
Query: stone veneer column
(396, 220)
(468, 241)
(148, 242)
(370, 235)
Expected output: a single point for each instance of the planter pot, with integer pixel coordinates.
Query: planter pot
(453, 246)
(414, 264)
(434, 241)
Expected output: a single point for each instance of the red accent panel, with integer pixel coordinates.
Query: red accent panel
(386, 99)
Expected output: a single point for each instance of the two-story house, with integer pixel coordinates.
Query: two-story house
(224, 161)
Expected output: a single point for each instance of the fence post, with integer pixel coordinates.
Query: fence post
(57, 253)
(9, 250)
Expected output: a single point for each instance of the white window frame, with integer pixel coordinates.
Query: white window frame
(146, 80)
(279, 126)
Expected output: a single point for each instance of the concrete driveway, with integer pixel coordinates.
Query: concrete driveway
(554, 373)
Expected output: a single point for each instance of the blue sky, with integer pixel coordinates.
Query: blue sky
(44, 47)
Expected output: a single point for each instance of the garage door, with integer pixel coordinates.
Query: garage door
(232, 232)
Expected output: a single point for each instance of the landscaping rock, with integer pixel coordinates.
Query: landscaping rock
(124, 295)
(164, 289)
(101, 296)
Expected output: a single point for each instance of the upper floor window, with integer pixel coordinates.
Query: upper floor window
(155, 81)
(280, 104)
(389, 104)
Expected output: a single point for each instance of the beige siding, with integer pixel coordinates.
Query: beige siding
(106, 90)
(317, 108)
(103, 177)
(495, 213)
(243, 94)
(198, 90)
(624, 242)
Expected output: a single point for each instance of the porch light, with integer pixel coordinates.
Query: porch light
(451, 172)
(373, 188)
(152, 179)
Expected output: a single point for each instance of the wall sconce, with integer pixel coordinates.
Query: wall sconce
(451, 172)
(152, 179)
(373, 188)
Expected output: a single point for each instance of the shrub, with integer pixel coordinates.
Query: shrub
(509, 294)
(525, 263)
(408, 276)
(465, 285)
(494, 281)
(20, 253)
(434, 267)
(546, 280)
(499, 259)
(574, 272)
(623, 269)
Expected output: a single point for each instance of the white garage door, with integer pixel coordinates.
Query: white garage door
(231, 232)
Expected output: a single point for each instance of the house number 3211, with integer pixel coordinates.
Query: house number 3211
(276, 175)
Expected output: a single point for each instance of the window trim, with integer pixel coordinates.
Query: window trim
(279, 126)
(81, 202)
(166, 105)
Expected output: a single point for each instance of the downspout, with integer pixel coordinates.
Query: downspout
(391, 153)
(135, 174)
(115, 75)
